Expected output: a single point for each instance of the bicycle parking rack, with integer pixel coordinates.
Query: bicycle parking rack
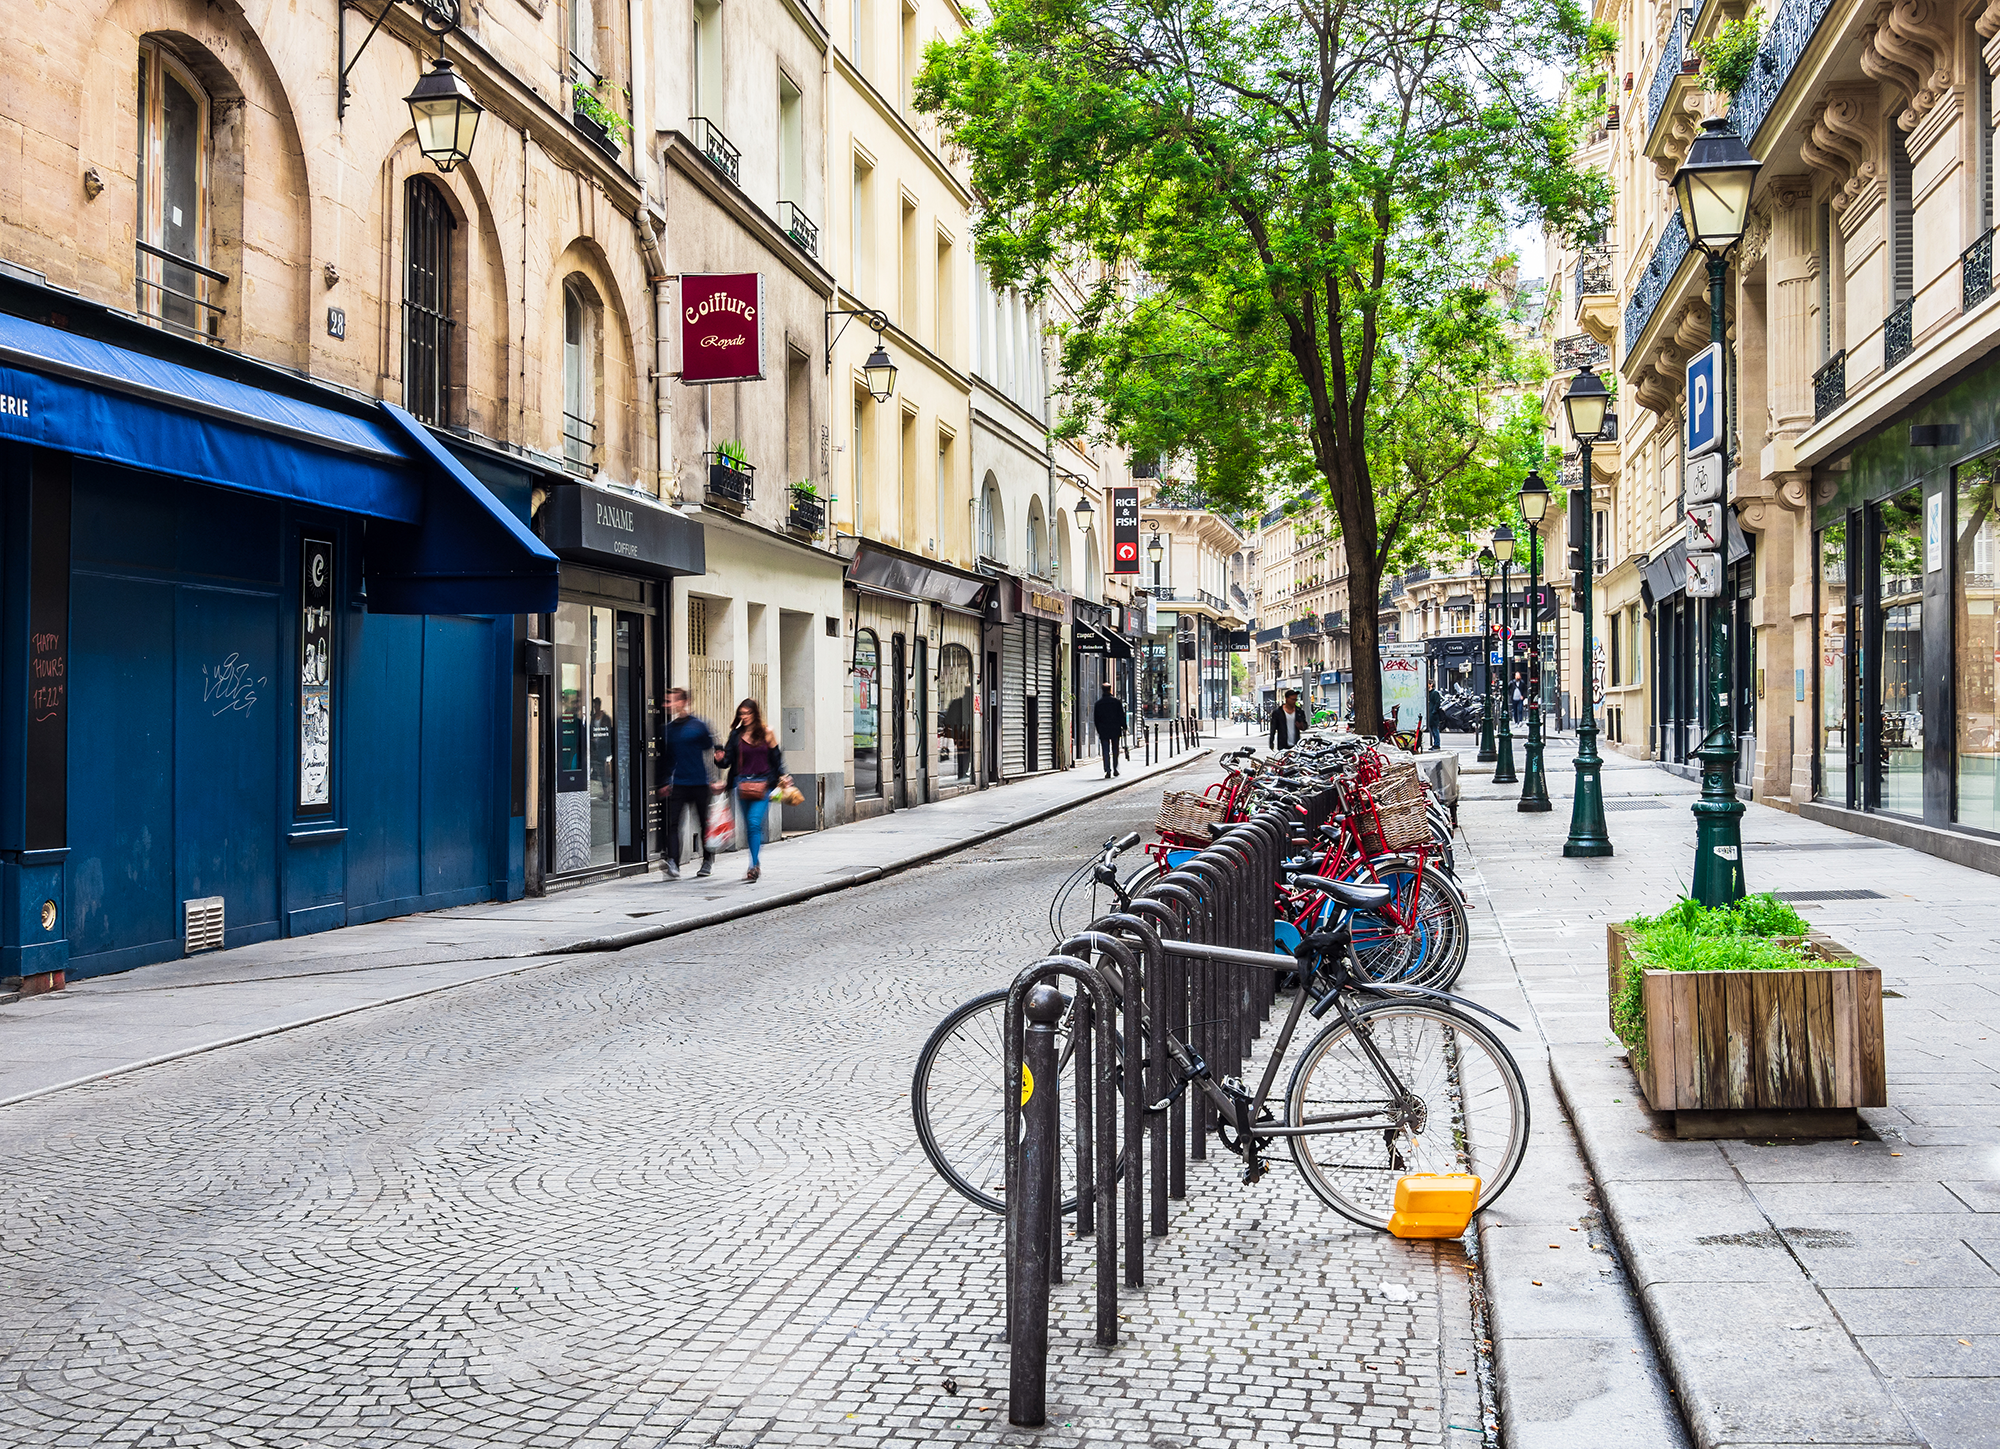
(1171, 958)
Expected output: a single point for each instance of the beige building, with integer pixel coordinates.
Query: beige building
(1195, 620)
(1303, 639)
(1858, 592)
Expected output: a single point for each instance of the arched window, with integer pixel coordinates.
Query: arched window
(1093, 567)
(427, 321)
(579, 379)
(1035, 553)
(174, 280)
(1059, 555)
(992, 530)
(955, 716)
(867, 716)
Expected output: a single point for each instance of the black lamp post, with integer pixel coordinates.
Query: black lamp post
(1503, 549)
(1587, 403)
(1534, 500)
(1486, 563)
(1713, 188)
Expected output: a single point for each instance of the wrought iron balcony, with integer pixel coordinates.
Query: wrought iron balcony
(1333, 621)
(1668, 254)
(731, 481)
(1896, 339)
(716, 147)
(808, 512)
(1571, 476)
(1573, 354)
(1975, 269)
(579, 445)
(1671, 64)
(173, 292)
(1830, 385)
(799, 227)
(1593, 274)
(1785, 40)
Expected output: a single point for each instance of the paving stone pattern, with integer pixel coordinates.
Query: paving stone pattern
(665, 1197)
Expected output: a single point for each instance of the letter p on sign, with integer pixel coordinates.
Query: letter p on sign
(1706, 406)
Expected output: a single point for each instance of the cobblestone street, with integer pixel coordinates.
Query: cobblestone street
(669, 1196)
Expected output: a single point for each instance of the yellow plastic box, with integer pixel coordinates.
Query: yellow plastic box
(1434, 1205)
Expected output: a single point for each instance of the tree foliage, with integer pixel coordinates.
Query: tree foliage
(1287, 215)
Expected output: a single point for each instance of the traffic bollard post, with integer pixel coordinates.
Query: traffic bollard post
(1031, 1202)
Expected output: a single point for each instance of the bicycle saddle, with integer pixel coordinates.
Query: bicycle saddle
(1351, 894)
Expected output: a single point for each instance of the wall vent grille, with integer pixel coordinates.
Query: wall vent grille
(202, 924)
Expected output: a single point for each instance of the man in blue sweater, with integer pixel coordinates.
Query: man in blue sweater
(690, 747)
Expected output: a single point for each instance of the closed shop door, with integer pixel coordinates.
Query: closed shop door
(1013, 703)
(1051, 683)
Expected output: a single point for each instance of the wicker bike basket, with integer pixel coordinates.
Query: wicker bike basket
(1400, 818)
(1183, 812)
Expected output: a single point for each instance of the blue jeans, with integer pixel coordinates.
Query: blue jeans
(753, 821)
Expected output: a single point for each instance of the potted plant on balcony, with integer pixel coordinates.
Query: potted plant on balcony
(731, 478)
(602, 123)
(1729, 57)
(1743, 1021)
(808, 513)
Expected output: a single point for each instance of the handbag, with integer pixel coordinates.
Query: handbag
(752, 790)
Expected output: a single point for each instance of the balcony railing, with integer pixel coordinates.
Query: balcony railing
(808, 512)
(1573, 354)
(799, 227)
(1668, 254)
(1165, 593)
(1785, 40)
(1670, 65)
(1896, 338)
(579, 445)
(173, 292)
(1593, 274)
(731, 481)
(1214, 601)
(1976, 272)
(1830, 385)
(1333, 621)
(716, 147)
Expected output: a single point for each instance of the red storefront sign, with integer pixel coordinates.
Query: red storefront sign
(722, 327)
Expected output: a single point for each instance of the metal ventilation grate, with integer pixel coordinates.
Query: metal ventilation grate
(202, 924)
(1635, 804)
(1797, 896)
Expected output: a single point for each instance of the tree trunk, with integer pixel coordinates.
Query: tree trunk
(1364, 587)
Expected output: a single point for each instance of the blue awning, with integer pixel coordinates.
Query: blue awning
(440, 542)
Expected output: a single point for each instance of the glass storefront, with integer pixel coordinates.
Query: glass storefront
(594, 687)
(1899, 687)
(955, 716)
(1834, 633)
(1976, 647)
(867, 716)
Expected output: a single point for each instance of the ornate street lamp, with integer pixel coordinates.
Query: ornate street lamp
(1486, 564)
(1587, 404)
(1503, 549)
(1534, 501)
(878, 372)
(1713, 188)
(445, 115)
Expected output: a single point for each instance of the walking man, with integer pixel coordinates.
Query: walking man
(1433, 708)
(690, 747)
(1288, 721)
(1108, 716)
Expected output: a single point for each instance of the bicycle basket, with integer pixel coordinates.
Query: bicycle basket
(1184, 813)
(1401, 819)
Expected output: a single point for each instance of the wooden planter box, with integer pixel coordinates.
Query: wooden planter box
(1762, 1053)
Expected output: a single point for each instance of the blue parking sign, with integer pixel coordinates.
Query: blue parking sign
(1705, 405)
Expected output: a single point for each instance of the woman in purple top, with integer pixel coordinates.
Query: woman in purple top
(756, 767)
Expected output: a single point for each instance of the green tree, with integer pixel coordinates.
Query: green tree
(1287, 214)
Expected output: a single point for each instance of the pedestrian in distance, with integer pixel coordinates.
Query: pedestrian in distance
(755, 768)
(1107, 716)
(1433, 711)
(690, 746)
(1288, 721)
(1518, 703)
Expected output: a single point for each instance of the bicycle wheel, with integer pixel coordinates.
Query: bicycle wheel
(1465, 1107)
(1428, 945)
(958, 1100)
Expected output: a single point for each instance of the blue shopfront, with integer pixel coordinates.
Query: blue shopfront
(259, 657)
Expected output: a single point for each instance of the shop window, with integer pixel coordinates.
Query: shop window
(1899, 653)
(867, 716)
(1976, 648)
(427, 322)
(955, 717)
(174, 283)
(593, 660)
(1835, 677)
(580, 371)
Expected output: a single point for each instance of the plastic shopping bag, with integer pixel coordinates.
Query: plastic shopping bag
(721, 825)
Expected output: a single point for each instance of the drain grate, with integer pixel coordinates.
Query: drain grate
(1635, 804)
(1797, 896)
(1819, 844)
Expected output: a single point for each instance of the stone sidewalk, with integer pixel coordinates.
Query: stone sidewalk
(154, 1014)
(1800, 1292)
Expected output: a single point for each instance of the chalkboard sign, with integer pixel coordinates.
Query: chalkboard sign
(315, 795)
(47, 824)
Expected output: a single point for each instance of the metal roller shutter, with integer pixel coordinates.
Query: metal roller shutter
(1013, 681)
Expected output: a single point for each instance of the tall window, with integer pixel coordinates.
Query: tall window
(991, 533)
(1899, 669)
(943, 491)
(1034, 540)
(943, 341)
(859, 467)
(791, 141)
(705, 54)
(912, 302)
(867, 715)
(862, 253)
(1902, 220)
(1976, 647)
(579, 381)
(1983, 128)
(427, 320)
(173, 279)
(1823, 249)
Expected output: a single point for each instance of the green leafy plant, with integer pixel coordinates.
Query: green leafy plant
(587, 102)
(1688, 936)
(732, 454)
(805, 488)
(1728, 56)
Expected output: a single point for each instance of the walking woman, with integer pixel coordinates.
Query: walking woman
(756, 767)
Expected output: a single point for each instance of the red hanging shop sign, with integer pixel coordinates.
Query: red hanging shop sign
(722, 327)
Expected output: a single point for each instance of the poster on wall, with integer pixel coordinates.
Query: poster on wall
(316, 678)
(722, 327)
(1403, 684)
(1124, 530)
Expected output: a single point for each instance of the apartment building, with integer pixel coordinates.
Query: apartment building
(1858, 594)
(1193, 623)
(1303, 639)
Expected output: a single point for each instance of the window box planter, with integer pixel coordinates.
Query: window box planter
(1761, 1053)
(598, 135)
(731, 484)
(807, 515)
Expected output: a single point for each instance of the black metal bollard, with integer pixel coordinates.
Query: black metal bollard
(1033, 1225)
